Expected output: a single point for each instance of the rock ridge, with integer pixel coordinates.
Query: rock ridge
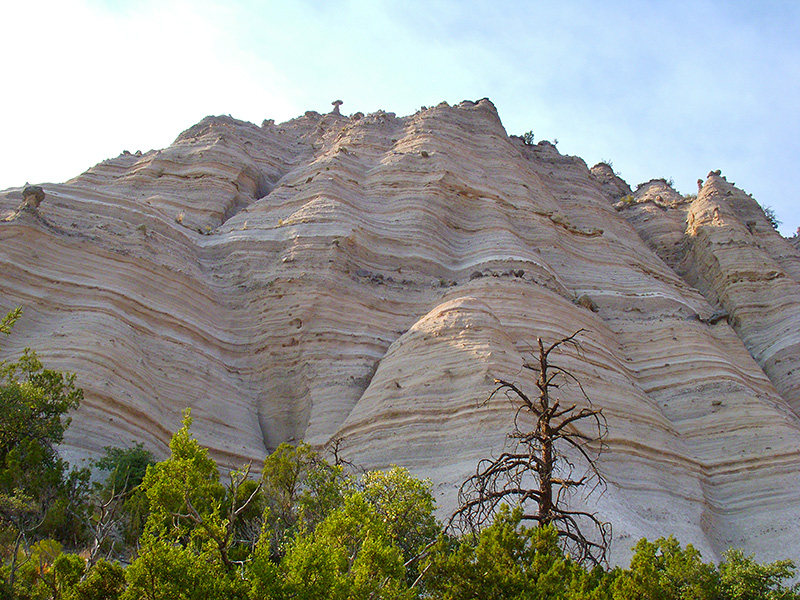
(365, 278)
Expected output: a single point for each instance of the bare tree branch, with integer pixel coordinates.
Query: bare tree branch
(536, 474)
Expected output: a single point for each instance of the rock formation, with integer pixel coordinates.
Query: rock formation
(32, 196)
(366, 278)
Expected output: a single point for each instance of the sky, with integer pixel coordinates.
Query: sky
(658, 88)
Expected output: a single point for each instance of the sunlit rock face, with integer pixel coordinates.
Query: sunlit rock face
(363, 280)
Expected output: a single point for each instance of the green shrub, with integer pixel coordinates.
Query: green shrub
(527, 137)
(105, 581)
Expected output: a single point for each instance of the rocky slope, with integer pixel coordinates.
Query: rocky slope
(366, 278)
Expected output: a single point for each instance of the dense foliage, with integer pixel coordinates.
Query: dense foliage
(304, 528)
(39, 496)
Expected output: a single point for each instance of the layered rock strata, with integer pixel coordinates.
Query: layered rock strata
(366, 278)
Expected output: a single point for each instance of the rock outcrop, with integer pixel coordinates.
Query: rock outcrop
(32, 196)
(366, 278)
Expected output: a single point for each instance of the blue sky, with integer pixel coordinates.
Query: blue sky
(662, 89)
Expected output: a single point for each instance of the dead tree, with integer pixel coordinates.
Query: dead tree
(104, 523)
(222, 531)
(538, 472)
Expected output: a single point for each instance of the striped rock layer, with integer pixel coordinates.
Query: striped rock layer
(363, 280)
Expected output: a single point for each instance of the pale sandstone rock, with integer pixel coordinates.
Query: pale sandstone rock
(367, 278)
(611, 183)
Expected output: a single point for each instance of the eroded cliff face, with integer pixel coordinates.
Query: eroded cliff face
(366, 278)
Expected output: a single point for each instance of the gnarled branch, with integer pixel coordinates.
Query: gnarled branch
(536, 474)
